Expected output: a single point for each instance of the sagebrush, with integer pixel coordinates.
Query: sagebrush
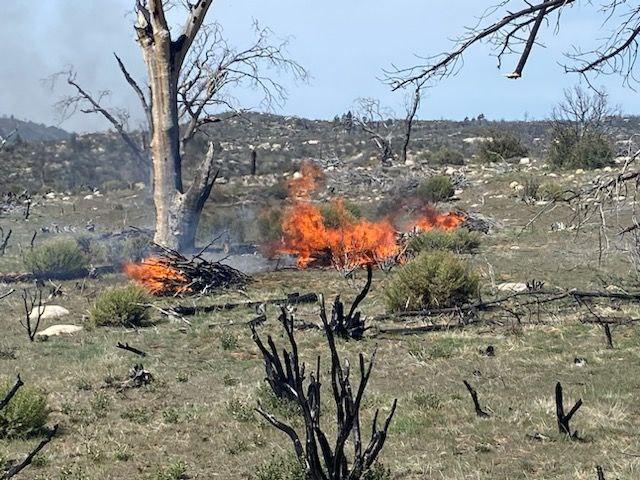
(121, 307)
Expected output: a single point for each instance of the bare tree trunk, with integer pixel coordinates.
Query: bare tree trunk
(412, 109)
(177, 211)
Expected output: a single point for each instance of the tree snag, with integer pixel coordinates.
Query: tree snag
(476, 404)
(320, 459)
(562, 418)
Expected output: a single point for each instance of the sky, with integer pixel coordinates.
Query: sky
(346, 45)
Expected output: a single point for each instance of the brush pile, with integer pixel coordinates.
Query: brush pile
(171, 273)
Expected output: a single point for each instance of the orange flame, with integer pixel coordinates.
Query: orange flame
(305, 181)
(429, 219)
(157, 276)
(350, 244)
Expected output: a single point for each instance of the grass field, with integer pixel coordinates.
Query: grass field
(197, 419)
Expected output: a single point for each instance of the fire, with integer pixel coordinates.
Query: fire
(429, 219)
(350, 244)
(347, 242)
(305, 181)
(157, 277)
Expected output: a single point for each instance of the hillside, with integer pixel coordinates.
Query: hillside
(30, 131)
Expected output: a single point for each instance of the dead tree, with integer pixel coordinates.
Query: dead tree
(562, 418)
(372, 118)
(190, 77)
(476, 403)
(4, 241)
(33, 311)
(351, 325)
(320, 459)
(412, 110)
(12, 470)
(518, 29)
(600, 473)
(4, 140)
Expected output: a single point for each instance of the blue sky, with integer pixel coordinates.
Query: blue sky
(345, 45)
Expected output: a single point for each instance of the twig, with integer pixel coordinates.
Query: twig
(474, 396)
(131, 349)
(13, 471)
(562, 419)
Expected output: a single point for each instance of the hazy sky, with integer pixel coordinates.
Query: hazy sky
(345, 45)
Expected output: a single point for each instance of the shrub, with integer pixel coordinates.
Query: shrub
(570, 150)
(26, 414)
(460, 240)
(339, 213)
(277, 191)
(437, 279)
(60, 260)
(281, 468)
(447, 156)
(435, 189)
(501, 147)
(270, 224)
(121, 307)
(551, 191)
(530, 190)
(176, 470)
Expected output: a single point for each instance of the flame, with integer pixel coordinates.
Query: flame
(350, 244)
(429, 219)
(157, 276)
(304, 182)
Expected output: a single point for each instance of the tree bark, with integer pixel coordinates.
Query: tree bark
(177, 211)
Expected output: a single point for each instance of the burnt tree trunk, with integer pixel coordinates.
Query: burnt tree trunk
(177, 209)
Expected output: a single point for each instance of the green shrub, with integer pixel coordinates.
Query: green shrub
(60, 260)
(270, 224)
(176, 470)
(121, 307)
(447, 156)
(571, 150)
(377, 471)
(336, 214)
(437, 279)
(26, 414)
(460, 240)
(551, 191)
(278, 191)
(531, 187)
(281, 468)
(501, 147)
(435, 189)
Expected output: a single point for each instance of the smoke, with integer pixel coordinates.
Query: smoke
(43, 38)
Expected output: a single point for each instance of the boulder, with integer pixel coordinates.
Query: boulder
(512, 287)
(49, 312)
(57, 330)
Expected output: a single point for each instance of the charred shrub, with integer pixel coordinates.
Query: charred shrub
(502, 146)
(436, 279)
(460, 240)
(121, 307)
(61, 259)
(26, 414)
(435, 189)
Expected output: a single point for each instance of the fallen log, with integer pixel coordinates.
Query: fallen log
(291, 299)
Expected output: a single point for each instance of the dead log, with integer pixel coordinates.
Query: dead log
(291, 299)
(131, 349)
(562, 418)
(600, 472)
(476, 404)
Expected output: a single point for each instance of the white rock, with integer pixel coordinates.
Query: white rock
(409, 163)
(50, 195)
(511, 287)
(297, 175)
(88, 197)
(139, 186)
(579, 171)
(513, 185)
(607, 169)
(49, 312)
(519, 188)
(56, 330)
(458, 192)
(525, 161)
(450, 171)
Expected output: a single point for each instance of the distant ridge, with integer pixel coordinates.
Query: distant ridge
(30, 131)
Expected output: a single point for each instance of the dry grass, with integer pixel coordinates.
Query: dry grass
(198, 414)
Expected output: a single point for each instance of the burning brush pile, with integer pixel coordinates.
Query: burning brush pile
(349, 242)
(171, 273)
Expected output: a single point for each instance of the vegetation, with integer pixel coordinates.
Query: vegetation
(335, 214)
(121, 307)
(446, 156)
(459, 240)
(26, 414)
(587, 151)
(435, 189)
(60, 259)
(281, 468)
(437, 279)
(501, 146)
